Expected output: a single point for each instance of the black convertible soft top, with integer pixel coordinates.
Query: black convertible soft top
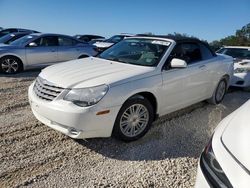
(180, 39)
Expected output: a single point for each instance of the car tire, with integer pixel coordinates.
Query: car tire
(133, 120)
(219, 92)
(10, 65)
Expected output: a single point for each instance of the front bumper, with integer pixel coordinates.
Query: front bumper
(76, 122)
(240, 80)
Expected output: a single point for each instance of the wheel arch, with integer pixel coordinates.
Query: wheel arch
(83, 56)
(227, 77)
(149, 96)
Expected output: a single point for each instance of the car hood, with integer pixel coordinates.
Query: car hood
(236, 136)
(242, 63)
(92, 71)
(103, 44)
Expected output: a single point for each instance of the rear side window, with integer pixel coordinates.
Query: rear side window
(64, 41)
(205, 52)
(239, 53)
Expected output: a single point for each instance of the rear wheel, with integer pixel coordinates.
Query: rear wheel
(10, 65)
(134, 119)
(219, 92)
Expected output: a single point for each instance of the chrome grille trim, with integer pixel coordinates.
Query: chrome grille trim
(46, 90)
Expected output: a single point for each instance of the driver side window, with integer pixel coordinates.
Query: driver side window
(188, 51)
(37, 42)
(46, 41)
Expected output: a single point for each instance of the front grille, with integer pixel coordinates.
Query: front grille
(46, 90)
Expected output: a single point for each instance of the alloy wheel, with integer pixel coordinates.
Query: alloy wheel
(9, 65)
(134, 120)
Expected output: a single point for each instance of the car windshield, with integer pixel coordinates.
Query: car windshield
(115, 39)
(6, 38)
(145, 52)
(238, 53)
(22, 40)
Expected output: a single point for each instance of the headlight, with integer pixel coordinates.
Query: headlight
(212, 169)
(242, 70)
(86, 96)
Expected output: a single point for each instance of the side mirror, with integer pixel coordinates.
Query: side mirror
(178, 63)
(32, 44)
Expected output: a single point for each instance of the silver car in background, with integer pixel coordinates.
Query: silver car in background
(40, 50)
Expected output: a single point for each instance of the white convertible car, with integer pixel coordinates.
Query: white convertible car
(126, 87)
(225, 162)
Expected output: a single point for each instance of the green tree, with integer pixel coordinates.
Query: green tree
(240, 38)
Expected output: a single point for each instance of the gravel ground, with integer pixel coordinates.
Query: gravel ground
(34, 155)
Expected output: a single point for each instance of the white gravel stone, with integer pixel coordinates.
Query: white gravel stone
(31, 154)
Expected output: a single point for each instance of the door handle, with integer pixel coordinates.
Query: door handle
(202, 66)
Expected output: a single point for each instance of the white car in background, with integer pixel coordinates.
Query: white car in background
(241, 55)
(126, 87)
(105, 44)
(225, 161)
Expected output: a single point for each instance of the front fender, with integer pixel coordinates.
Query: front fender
(21, 56)
(119, 94)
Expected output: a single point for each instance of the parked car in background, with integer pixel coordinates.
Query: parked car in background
(241, 55)
(14, 30)
(88, 38)
(225, 161)
(38, 50)
(93, 41)
(122, 90)
(103, 45)
(6, 39)
(1, 28)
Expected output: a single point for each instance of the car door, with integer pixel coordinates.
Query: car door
(184, 86)
(42, 51)
(68, 49)
(212, 68)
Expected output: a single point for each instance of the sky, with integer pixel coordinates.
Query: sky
(207, 19)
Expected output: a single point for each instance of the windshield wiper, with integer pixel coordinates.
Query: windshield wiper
(116, 59)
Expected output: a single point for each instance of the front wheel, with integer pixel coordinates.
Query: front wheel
(134, 119)
(10, 65)
(219, 92)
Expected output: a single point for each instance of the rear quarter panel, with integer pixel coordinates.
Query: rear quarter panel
(221, 66)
